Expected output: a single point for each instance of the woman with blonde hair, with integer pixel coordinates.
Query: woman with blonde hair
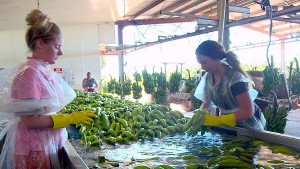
(31, 97)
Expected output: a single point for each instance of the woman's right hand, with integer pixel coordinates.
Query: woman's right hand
(81, 117)
(85, 117)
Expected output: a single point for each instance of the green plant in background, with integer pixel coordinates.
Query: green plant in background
(196, 103)
(189, 83)
(111, 85)
(154, 76)
(271, 79)
(137, 76)
(247, 67)
(294, 79)
(148, 82)
(125, 89)
(160, 94)
(136, 87)
(193, 71)
(126, 86)
(102, 62)
(175, 81)
(118, 88)
(275, 116)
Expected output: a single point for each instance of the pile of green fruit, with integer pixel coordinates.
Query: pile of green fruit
(122, 121)
(195, 124)
(175, 79)
(276, 118)
(136, 87)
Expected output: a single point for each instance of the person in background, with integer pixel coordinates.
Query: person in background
(89, 84)
(227, 87)
(31, 97)
(197, 80)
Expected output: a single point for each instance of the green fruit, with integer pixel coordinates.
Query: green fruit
(165, 167)
(141, 167)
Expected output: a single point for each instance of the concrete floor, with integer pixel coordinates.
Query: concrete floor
(292, 127)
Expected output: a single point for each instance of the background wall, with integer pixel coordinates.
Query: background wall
(80, 50)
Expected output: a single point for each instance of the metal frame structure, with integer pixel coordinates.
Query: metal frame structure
(221, 23)
(281, 139)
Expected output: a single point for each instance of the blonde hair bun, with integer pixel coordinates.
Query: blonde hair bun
(36, 18)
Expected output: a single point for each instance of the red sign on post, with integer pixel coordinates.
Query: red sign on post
(58, 70)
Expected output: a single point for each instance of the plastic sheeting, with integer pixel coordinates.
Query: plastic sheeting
(31, 89)
(216, 97)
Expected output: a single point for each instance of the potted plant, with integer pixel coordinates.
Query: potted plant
(271, 79)
(136, 87)
(160, 93)
(175, 79)
(275, 115)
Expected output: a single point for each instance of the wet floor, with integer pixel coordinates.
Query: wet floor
(293, 123)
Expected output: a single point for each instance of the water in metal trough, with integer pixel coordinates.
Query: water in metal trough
(179, 151)
(170, 150)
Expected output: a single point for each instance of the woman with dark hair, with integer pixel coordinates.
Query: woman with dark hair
(227, 87)
(31, 97)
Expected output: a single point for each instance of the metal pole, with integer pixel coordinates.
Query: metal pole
(165, 65)
(181, 68)
(226, 40)
(221, 18)
(120, 55)
(282, 55)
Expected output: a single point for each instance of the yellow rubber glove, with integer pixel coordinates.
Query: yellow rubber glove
(224, 120)
(63, 120)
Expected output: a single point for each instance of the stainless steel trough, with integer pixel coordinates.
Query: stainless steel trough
(281, 139)
(69, 158)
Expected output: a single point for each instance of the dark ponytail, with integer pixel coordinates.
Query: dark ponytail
(232, 60)
(211, 49)
(216, 51)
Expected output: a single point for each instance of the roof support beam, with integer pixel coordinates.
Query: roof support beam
(291, 20)
(146, 9)
(286, 29)
(203, 8)
(190, 6)
(182, 14)
(263, 17)
(212, 29)
(171, 7)
(228, 25)
(201, 21)
(154, 21)
(239, 9)
(262, 31)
